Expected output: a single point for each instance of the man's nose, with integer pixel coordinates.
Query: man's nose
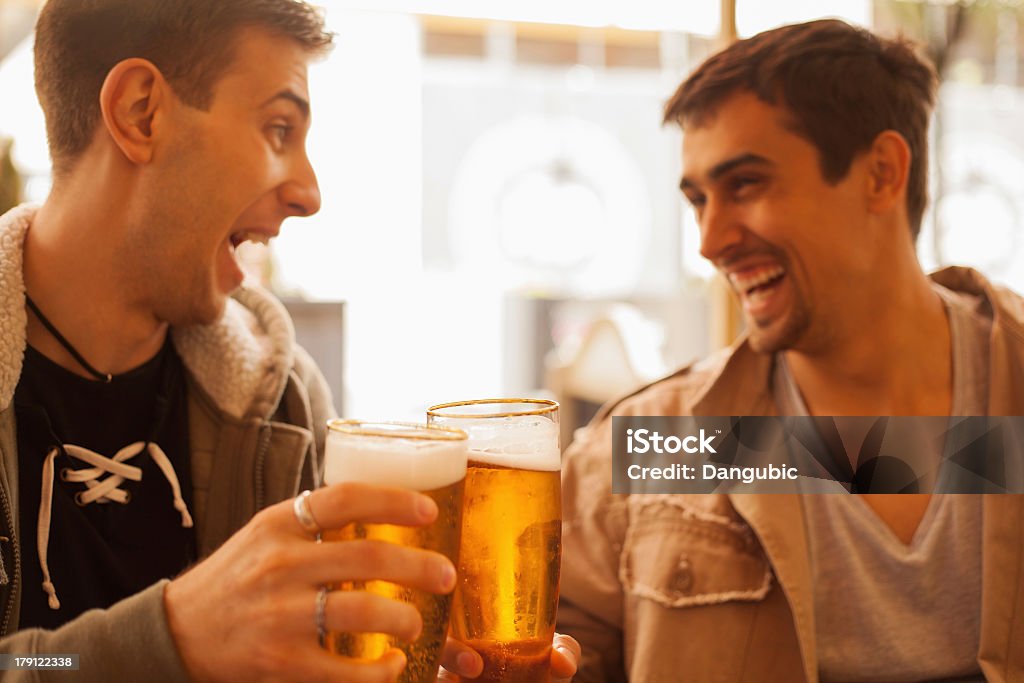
(301, 193)
(720, 231)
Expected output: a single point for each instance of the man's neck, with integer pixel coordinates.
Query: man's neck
(897, 361)
(73, 273)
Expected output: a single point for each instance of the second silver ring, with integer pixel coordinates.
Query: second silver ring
(320, 618)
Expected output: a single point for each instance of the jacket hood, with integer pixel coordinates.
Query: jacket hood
(241, 361)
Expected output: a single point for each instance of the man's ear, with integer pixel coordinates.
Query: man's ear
(888, 170)
(132, 94)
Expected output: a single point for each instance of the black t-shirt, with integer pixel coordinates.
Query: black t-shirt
(101, 553)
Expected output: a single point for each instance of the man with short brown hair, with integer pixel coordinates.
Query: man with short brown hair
(155, 414)
(804, 158)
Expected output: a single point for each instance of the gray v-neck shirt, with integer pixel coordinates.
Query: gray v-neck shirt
(885, 611)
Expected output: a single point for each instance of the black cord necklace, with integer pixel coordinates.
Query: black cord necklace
(101, 376)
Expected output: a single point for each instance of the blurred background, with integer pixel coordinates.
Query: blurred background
(501, 213)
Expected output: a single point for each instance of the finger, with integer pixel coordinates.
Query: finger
(344, 612)
(458, 658)
(362, 612)
(339, 504)
(565, 658)
(319, 665)
(366, 560)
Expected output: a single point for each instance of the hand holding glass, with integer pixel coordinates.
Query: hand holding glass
(431, 460)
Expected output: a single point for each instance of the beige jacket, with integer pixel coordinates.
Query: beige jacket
(257, 413)
(710, 588)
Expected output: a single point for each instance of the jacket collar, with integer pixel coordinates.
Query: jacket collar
(741, 387)
(241, 361)
(1006, 369)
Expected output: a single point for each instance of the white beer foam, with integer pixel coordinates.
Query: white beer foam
(550, 461)
(524, 442)
(412, 464)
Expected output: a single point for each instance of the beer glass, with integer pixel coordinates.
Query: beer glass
(410, 456)
(507, 591)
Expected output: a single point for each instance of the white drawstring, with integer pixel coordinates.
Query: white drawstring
(102, 491)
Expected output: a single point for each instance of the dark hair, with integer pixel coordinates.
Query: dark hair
(842, 86)
(78, 42)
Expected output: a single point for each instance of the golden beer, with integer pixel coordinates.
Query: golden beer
(432, 461)
(506, 596)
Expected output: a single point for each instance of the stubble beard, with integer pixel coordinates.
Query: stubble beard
(787, 333)
(181, 280)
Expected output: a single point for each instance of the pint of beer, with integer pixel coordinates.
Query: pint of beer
(427, 459)
(507, 590)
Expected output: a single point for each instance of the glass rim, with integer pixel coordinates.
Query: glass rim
(407, 430)
(549, 407)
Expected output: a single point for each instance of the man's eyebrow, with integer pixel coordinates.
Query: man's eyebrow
(301, 102)
(721, 168)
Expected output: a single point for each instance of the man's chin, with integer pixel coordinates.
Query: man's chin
(772, 337)
(784, 333)
(215, 311)
(203, 313)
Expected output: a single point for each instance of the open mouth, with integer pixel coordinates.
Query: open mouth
(757, 281)
(760, 289)
(253, 236)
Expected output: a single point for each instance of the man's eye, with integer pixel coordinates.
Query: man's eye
(280, 133)
(697, 201)
(741, 183)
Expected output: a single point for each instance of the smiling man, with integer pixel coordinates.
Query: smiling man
(156, 415)
(805, 161)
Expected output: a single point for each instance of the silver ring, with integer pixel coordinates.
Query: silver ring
(321, 616)
(304, 514)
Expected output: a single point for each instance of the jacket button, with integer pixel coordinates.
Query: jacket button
(682, 580)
